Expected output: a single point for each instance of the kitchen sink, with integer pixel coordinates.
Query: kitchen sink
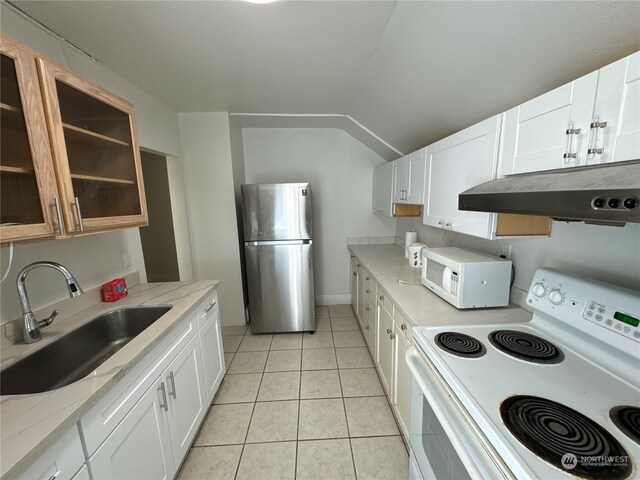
(79, 352)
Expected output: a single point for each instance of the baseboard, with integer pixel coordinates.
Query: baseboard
(333, 299)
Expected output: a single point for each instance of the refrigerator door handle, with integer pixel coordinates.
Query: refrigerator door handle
(278, 242)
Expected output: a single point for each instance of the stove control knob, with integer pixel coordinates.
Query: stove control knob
(539, 290)
(556, 296)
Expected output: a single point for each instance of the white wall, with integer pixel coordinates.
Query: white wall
(610, 254)
(340, 170)
(180, 213)
(96, 258)
(206, 154)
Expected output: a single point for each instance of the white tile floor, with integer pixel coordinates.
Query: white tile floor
(299, 406)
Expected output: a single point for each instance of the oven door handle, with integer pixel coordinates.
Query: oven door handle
(420, 372)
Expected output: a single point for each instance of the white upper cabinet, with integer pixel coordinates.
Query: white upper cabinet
(459, 162)
(550, 131)
(615, 123)
(383, 189)
(416, 176)
(401, 179)
(409, 173)
(594, 119)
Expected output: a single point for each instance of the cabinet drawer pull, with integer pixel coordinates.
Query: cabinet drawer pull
(210, 306)
(392, 336)
(403, 327)
(367, 309)
(76, 204)
(381, 297)
(367, 278)
(388, 330)
(165, 404)
(173, 384)
(355, 274)
(448, 224)
(368, 327)
(367, 290)
(58, 211)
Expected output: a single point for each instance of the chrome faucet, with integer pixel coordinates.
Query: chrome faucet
(30, 326)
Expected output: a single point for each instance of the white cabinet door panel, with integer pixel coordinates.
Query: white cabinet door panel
(618, 104)
(402, 388)
(383, 189)
(535, 133)
(457, 163)
(416, 177)
(401, 176)
(354, 284)
(385, 358)
(187, 404)
(213, 367)
(139, 448)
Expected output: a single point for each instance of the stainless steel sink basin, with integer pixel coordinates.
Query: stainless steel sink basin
(78, 353)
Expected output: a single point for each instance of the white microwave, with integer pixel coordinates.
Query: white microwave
(466, 279)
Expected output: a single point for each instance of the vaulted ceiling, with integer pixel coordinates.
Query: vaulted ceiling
(410, 71)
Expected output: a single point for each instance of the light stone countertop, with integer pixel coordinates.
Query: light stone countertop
(30, 424)
(421, 306)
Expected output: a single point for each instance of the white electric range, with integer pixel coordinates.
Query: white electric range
(555, 398)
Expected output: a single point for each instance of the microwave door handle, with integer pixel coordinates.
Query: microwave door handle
(418, 372)
(446, 280)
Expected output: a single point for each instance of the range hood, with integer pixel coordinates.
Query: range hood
(607, 194)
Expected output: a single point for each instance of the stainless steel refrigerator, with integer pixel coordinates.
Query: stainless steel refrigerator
(278, 246)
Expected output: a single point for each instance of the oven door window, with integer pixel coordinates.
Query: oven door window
(433, 452)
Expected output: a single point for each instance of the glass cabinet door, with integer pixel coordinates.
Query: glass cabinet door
(28, 185)
(95, 152)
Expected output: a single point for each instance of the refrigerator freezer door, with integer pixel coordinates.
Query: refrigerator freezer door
(280, 211)
(280, 280)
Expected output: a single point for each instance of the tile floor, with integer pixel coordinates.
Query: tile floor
(299, 406)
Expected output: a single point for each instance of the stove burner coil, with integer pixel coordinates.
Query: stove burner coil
(627, 419)
(460, 344)
(526, 346)
(552, 430)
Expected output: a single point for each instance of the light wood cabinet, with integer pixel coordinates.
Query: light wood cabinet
(28, 184)
(69, 160)
(95, 151)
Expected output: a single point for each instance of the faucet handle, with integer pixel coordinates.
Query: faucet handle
(49, 320)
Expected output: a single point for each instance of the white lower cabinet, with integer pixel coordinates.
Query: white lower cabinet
(354, 284)
(213, 366)
(140, 446)
(187, 403)
(385, 359)
(61, 461)
(83, 474)
(401, 399)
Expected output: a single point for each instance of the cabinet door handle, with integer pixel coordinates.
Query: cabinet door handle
(164, 405)
(381, 297)
(403, 327)
(568, 155)
(367, 309)
(593, 138)
(355, 274)
(173, 384)
(440, 222)
(367, 278)
(210, 306)
(388, 330)
(76, 204)
(56, 206)
(448, 224)
(368, 327)
(367, 290)
(392, 336)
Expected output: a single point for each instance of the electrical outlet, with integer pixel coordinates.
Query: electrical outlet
(505, 251)
(126, 258)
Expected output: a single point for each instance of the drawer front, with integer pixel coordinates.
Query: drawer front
(404, 326)
(385, 301)
(369, 313)
(103, 418)
(61, 462)
(207, 307)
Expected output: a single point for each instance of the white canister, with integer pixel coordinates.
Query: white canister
(415, 257)
(410, 238)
